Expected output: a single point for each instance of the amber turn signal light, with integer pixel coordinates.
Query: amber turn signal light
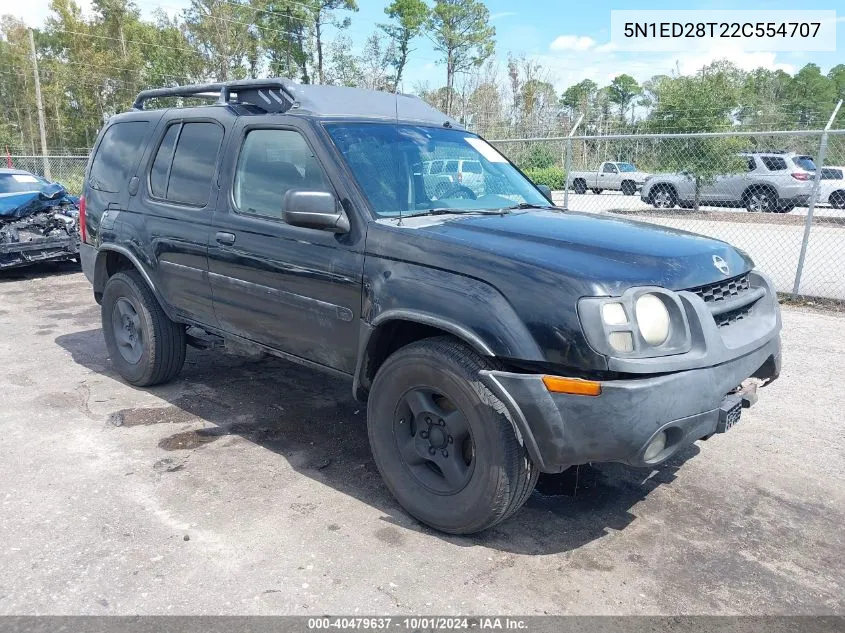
(577, 386)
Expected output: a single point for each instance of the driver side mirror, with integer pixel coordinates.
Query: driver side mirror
(314, 210)
(546, 191)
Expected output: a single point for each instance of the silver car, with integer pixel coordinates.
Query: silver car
(773, 182)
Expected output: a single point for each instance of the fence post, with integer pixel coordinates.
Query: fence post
(40, 107)
(813, 196)
(567, 166)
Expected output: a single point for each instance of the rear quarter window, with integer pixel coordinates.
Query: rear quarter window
(774, 163)
(117, 156)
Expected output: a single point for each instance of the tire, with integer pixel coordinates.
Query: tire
(629, 188)
(837, 199)
(420, 386)
(785, 208)
(759, 199)
(146, 347)
(597, 191)
(663, 197)
(579, 186)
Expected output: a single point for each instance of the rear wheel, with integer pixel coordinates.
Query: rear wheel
(579, 186)
(837, 199)
(629, 188)
(759, 199)
(663, 197)
(441, 439)
(596, 191)
(145, 346)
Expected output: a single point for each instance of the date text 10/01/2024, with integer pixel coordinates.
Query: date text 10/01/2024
(416, 623)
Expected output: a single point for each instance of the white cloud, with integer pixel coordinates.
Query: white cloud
(502, 14)
(690, 63)
(572, 43)
(608, 47)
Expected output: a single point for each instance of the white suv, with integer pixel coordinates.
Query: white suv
(773, 181)
(443, 174)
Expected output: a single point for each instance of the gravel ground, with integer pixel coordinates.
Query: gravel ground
(246, 487)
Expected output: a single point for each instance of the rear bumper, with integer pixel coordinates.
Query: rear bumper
(562, 430)
(88, 257)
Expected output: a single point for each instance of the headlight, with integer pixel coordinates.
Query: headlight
(652, 319)
(642, 323)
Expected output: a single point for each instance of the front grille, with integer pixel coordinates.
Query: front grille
(729, 318)
(723, 290)
(713, 294)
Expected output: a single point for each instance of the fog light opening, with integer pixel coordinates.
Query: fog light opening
(655, 447)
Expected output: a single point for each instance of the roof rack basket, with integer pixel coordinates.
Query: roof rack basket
(271, 95)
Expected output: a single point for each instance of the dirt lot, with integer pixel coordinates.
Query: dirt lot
(247, 487)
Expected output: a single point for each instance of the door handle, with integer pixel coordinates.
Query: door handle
(226, 239)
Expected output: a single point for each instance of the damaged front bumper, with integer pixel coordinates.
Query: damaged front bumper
(48, 236)
(621, 424)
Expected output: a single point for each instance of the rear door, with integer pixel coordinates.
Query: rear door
(295, 289)
(178, 192)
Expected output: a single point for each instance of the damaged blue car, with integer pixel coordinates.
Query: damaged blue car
(39, 220)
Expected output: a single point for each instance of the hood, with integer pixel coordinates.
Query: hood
(21, 205)
(609, 253)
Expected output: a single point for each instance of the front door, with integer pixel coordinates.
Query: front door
(292, 288)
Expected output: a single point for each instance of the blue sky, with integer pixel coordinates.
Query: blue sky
(569, 38)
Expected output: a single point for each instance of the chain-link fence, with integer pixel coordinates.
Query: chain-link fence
(750, 189)
(68, 170)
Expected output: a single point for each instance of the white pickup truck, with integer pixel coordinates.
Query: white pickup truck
(616, 176)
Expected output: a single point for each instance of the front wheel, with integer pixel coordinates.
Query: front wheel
(442, 442)
(629, 188)
(663, 197)
(597, 191)
(145, 346)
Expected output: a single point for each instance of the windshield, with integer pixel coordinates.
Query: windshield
(626, 167)
(19, 183)
(407, 169)
(805, 162)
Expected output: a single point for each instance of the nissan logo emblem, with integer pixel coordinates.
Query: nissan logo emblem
(721, 265)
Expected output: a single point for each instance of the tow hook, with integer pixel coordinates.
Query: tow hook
(748, 391)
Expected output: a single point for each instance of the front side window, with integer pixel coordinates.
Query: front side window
(751, 164)
(831, 174)
(609, 168)
(381, 157)
(271, 163)
(184, 173)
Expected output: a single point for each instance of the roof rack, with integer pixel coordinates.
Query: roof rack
(767, 151)
(271, 95)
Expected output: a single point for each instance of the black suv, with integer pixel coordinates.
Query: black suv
(492, 335)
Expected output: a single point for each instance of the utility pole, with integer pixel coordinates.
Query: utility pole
(40, 105)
